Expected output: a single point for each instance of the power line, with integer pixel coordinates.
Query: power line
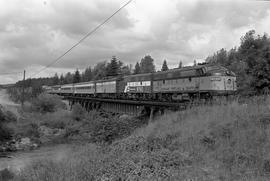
(82, 39)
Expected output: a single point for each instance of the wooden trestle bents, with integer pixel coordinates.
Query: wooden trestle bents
(130, 107)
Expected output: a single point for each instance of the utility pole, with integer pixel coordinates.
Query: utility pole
(23, 86)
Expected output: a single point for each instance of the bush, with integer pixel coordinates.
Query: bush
(5, 132)
(6, 117)
(59, 119)
(27, 129)
(47, 103)
(112, 128)
(78, 112)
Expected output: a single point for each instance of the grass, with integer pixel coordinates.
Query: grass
(224, 142)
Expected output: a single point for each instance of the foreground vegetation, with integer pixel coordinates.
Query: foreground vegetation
(47, 120)
(225, 142)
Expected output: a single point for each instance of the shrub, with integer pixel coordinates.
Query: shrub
(78, 112)
(112, 128)
(47, 103)
(6, 117)
(5, 132)
(59, 119)
(27, 129)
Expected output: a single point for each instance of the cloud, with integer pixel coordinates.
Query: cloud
(34, 33)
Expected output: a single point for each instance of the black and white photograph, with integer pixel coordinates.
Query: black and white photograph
(134, 90)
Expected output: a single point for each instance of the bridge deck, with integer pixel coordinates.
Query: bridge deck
(132, 102)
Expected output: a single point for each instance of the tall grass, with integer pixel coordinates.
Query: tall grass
(224, 142)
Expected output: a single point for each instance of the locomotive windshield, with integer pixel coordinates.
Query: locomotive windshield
(230, 73)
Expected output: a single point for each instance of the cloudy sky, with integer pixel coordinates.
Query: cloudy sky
(35, 32)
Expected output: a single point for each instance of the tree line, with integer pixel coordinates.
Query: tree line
(250, 61)
(103, 70)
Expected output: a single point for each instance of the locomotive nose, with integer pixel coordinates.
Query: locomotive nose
(229, 84)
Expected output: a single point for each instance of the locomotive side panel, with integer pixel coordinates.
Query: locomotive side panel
(176, 85)
(205, 83)
(219, 84)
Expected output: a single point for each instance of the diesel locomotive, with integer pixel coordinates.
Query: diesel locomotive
(182, 84)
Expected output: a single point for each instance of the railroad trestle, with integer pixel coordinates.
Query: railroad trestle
(130, 107)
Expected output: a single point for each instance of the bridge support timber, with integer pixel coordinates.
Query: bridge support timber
(131, 107)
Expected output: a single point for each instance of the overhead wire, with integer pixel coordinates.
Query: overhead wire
(82, 39)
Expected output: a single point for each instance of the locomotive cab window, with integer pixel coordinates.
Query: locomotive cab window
(163, 81)
(190, 79)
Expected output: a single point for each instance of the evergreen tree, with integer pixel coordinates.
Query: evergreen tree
(220, 57)
(120, 64)
(61, 81)
(137, 69)
(125, 70)
(76, 77)
(113, 67)
(147, 64)
(55, 79)
(180, 64)
(194, 63)
(88, 74)
(164, 66)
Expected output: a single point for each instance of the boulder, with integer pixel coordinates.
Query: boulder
(46, 131)
(25, 144)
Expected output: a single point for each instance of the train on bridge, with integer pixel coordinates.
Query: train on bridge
(204, 81)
